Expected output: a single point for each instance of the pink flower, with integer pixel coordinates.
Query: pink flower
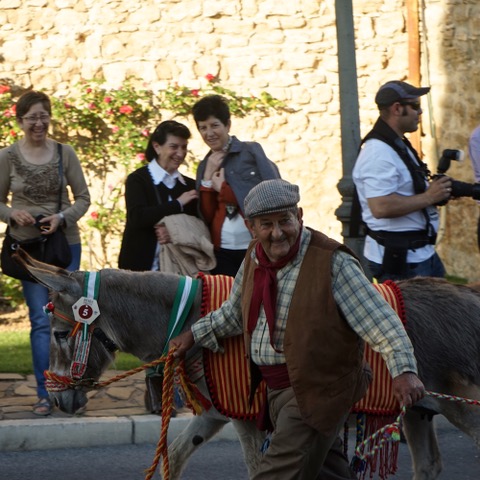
(126, 109)
(107, 99)
(109, 111)
(194, 92)
(14, 109)
(92, 106)
(94, 215)
(4, 89)
(140, 157)
(7, 113)
(210, 77)
(89, 90)
(115, 129)
(13, 133)
(67, 105)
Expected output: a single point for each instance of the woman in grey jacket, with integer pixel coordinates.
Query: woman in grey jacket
(224, 177)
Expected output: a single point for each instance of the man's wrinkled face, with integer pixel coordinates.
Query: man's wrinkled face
(277, 232)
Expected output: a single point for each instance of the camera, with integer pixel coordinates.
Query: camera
(459, 189)
(41, 226)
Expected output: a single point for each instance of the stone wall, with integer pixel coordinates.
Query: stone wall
(285, 47)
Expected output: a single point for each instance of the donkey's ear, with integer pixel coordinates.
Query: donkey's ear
(52, 277)
(60, 281)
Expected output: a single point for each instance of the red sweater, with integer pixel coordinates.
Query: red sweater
(213, 207)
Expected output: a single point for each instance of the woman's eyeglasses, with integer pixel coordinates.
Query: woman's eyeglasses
(33, 119)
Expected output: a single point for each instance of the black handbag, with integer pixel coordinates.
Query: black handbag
(52, 249)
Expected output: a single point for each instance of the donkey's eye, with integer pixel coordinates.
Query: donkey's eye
(61, 335)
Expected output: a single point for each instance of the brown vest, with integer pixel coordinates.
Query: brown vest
(324, 355)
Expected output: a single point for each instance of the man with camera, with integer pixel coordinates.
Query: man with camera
(397, 199)
(474, 152)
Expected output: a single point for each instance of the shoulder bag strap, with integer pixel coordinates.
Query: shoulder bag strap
(60, 174)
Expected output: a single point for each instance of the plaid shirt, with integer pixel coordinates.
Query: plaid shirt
(365, 310)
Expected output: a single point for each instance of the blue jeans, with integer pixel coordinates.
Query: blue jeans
(433, 267)
(36, 297)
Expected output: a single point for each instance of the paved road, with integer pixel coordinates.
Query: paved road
(217, 460)
(220, 460)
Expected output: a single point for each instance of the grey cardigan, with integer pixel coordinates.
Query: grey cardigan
(246, 165)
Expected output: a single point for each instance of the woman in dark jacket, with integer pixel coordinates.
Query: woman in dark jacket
(153, 192)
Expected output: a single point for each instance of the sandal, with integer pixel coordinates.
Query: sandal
(43, 407)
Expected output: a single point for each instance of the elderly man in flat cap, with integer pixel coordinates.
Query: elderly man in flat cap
(397, 200)
(305, 308)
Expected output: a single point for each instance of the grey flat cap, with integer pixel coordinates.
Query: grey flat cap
(271, 196)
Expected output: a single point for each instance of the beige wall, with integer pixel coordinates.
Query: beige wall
(285, 47)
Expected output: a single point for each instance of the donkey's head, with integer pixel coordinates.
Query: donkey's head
(134, 312)
(79, 352)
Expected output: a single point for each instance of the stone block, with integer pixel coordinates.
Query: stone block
(300, 61)
(112, 45)
(389, 25)
(285, 8)
(65, 3)
(11, 377)
(198, 27)
(208, 65)
(120, 393)
(15, 51)
(295, 22)
(268, 37)
(214, 8)
(11, 4)
(146, 16)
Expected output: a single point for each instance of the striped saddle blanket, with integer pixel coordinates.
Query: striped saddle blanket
(379, 399)
(228, 375)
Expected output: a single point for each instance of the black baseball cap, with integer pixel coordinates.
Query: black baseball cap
(394, 91)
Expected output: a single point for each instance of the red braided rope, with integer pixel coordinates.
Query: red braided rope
(196, 401)
(167, 408)
(58, 383)
(391, 432)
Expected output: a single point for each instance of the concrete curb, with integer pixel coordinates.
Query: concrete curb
(49, 433)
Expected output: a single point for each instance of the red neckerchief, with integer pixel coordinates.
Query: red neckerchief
(265, 287)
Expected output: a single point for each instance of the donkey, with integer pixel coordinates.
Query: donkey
(443, 323)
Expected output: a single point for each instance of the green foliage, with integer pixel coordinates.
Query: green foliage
(10, 291)
(109, 130)
(16, 354)
(9, 129)
(457, 280)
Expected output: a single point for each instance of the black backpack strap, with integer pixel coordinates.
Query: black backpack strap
(358, 227)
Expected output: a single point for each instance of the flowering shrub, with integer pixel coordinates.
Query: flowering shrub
(8, 125)
(109, 130)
